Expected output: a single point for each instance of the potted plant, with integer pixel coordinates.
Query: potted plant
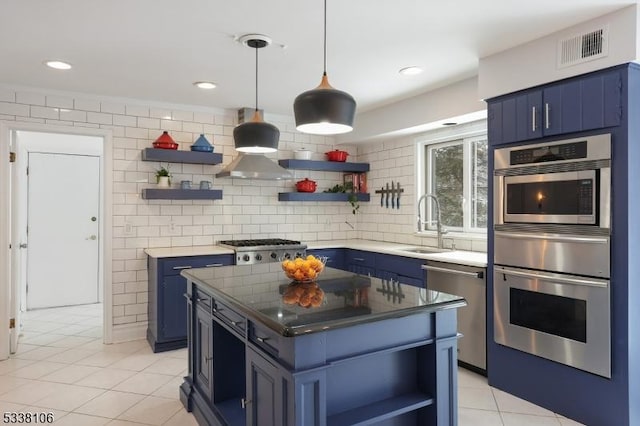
(352, 198)
(163, 177)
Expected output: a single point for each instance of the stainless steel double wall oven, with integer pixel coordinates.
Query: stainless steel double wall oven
(552, 220)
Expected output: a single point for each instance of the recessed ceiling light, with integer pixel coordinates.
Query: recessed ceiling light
(58, 65)
(205, 85)
(410, 71)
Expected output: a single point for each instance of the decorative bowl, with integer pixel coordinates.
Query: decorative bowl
(304, 270)
(337, 155)
(306, 295)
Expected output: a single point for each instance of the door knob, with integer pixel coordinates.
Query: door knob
(23, 245)
(93, 237)
(93, 219)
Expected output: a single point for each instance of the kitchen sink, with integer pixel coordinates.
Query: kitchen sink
(424, 250)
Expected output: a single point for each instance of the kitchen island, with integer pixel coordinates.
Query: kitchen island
(370, 352)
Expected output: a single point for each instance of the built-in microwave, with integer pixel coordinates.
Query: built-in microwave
(563, 182)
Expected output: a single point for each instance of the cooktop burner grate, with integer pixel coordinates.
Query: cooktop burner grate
(259, 242)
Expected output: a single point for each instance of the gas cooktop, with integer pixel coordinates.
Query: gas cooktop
(265, 250)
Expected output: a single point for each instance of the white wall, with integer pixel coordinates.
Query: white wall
(411, 115)
(249, 209)
(535, 63)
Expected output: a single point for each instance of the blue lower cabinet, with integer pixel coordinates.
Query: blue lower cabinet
(174, 307)
(360, 262)
(335, 257)
(406, 270)
(167, 305)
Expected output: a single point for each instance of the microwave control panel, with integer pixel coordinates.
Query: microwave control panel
(543, 154)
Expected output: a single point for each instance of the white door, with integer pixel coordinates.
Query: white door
(62, 240)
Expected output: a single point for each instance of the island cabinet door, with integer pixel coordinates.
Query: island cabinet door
(264, 402)
(203, 348)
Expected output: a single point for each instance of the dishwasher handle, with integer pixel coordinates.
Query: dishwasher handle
(479, 274)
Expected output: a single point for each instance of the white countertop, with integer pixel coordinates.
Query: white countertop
(460, 257)
(187, 251)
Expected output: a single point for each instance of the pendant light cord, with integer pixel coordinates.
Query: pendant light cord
(256, 79)
(325, 38)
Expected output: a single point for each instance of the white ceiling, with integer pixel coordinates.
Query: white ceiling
(155, 49)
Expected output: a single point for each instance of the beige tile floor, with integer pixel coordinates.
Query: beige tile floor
(62, 367)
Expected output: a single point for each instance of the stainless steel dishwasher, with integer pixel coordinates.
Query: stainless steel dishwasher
(470, 283)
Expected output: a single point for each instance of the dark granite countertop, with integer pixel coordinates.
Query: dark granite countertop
(259, 292)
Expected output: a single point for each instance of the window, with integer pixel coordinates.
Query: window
(454, 169)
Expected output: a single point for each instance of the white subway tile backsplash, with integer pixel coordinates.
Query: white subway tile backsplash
(137, 133)
(196, 128)
(99, 118)
(137, 110)
(73, 115)
(149, 123)
(14, 109)
(59, 101)
(182, 115)
(171, 125)
(112, 107)
(86, 105)
(44, 112)
(30, 98)
(125, 120)
(139, 308)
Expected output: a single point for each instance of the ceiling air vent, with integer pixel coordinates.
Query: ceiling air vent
(583, 47)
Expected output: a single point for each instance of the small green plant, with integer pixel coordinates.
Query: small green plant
(163, 171)
(352, 198)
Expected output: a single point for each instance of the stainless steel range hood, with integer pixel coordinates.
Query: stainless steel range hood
(254, 166)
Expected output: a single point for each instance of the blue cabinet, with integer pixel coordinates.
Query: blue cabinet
(569, 106)
(360, 262)
(167, 306)
(406, 270)
(335, 256)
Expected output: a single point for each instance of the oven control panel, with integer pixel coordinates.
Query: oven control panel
(544, 154)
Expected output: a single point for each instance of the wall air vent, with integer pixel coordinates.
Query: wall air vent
(583, 47)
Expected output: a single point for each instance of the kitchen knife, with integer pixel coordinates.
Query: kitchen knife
(398, 197)
(393, 195)
(388, 192)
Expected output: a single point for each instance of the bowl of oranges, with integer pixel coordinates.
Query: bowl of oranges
(303, 269)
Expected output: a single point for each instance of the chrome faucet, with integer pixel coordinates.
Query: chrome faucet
(440, 229)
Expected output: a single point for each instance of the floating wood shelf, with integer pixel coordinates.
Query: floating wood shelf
(319, 196)
(181, 194)
(325, 166)
(175, 156)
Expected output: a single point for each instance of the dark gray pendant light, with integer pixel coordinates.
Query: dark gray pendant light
(324, 110)
(256, 136)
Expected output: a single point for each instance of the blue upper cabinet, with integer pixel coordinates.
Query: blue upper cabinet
(582, 103)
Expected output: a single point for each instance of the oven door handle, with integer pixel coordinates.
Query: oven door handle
(554, 278)
(573, 239)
